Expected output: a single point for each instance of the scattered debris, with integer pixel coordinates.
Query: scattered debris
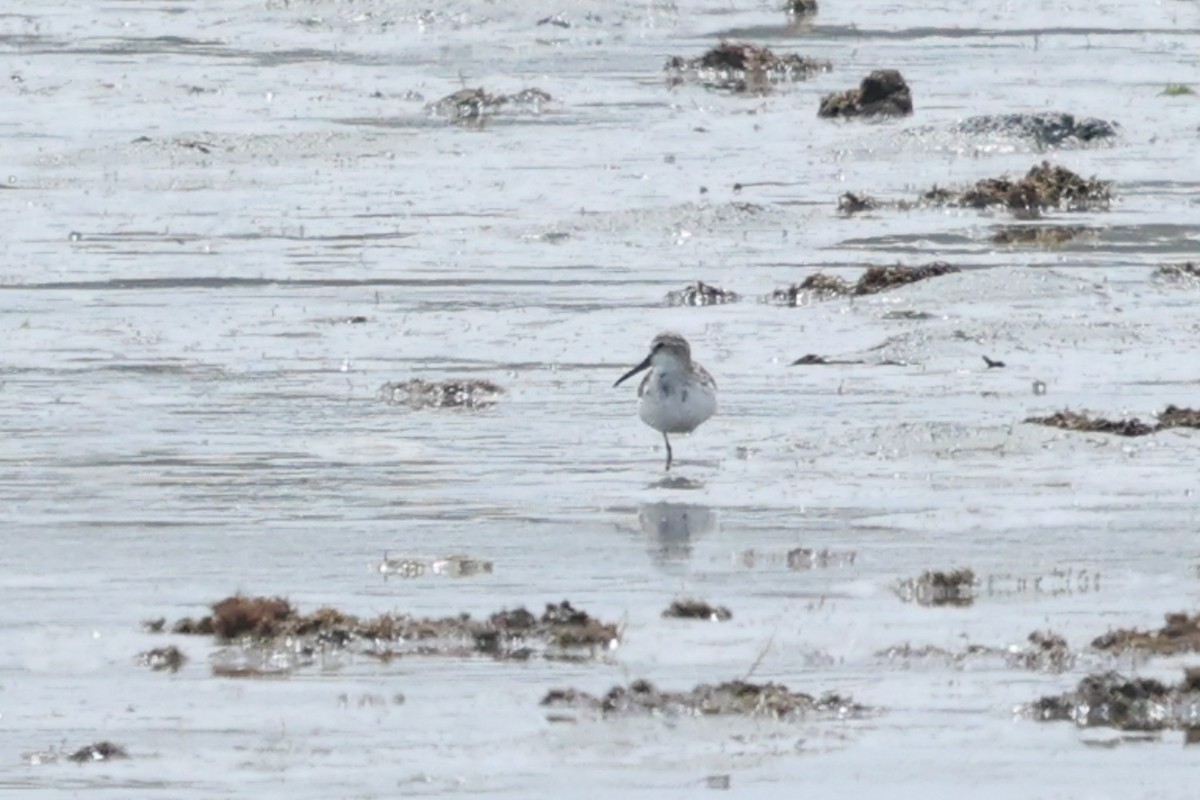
(1170, 417)
(802, 7)
(1040, 235)
(163, 658)
(475, 104)
(455, 566)
(908, 314)
(741, 67)
(1045, 652)
(701, 294)
(273, 638)
(1044, 186)
(691, 608)
(820, 286)
(883, 92)
(1075, 421)
(992, 364)
(1112, 700)
(802, 558)
(798, 558)
(154, 625)
(730, 698)
(1189, 271)
(939, 588)
(421, 394)
(1177, 90)
(1180, 634)
(812, 359)
(851, 203)
(100, 751)
(555, 20)
(1176, 417)
(1045, 129)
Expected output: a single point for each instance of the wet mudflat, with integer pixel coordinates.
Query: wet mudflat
(281, 323)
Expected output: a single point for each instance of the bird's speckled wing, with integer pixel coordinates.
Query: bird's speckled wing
(704, 376)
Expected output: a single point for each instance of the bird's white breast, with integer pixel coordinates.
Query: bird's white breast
(676, 402)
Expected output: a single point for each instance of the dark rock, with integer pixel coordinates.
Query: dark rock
(691, 608)
(883, 92)
(851, 203)
(100, 751)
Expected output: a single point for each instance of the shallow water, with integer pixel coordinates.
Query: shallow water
(200, 198)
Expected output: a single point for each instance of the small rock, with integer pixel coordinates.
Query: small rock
(882, 93)
(100, 751)
(691, 608)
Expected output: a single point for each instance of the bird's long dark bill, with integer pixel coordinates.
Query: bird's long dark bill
(633, 371)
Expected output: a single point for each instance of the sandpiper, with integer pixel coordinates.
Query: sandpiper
(677, 394)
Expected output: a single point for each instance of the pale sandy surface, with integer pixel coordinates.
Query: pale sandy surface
(187, 414)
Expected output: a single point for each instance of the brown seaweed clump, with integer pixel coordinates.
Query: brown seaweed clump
(421, 394)
(259, 617)
(1039, 235)
(1180, 634)
(100, 751)
(266, 627)
(1170, 417)
(1045, 186)
(1076, 421)
(1112, 700)
(882, 93)
(820, 286)
(742, 67)
(701, 294)
(738, 698)
(956, 588)
(692, 608)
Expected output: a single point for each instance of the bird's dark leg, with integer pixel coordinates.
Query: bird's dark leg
(668, 443)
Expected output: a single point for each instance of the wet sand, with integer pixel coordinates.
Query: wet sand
(230, 226)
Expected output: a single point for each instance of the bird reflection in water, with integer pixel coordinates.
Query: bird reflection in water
(671, 527)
